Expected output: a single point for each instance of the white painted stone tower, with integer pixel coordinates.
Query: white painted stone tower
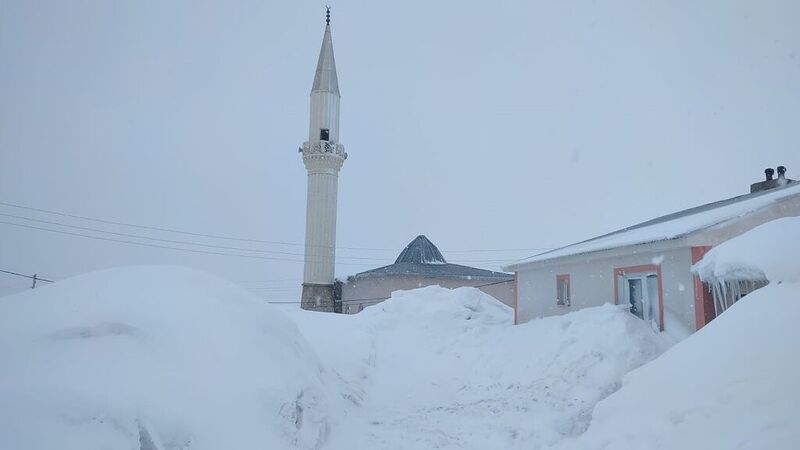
(323, 156)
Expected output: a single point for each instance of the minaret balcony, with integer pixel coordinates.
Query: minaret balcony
(324, 147)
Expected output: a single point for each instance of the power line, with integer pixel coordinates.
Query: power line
(281, 289)
(222, 247)
(30, 277)
(174, 241)
(172, 230)
(533, 249)
(356, 300)
(380, 299)
(241, 239)
(281, 280)
(294, 287)
(137, 236)
(493, 283)
(144, 244)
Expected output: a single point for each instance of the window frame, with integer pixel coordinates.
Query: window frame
(620, 274)
(567, 302)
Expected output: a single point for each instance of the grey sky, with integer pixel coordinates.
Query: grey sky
(500, 125)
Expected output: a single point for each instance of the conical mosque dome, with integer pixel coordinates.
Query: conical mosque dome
(421, 251)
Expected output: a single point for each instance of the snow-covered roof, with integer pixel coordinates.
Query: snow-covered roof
(421, 251)
(446, 270)
(672, 226)
(767, 252)
(422, 258)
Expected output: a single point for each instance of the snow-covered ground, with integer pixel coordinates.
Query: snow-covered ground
(163, 358)
(188, 361)
(735, 384)
(166, 357)
(440, 368)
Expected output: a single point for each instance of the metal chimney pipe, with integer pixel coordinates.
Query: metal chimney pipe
(781, 172)
(769, 172)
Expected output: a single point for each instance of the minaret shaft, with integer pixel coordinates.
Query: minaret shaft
(321, 202)
(323, 157)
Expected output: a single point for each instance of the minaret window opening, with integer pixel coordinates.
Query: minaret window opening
(324, 134)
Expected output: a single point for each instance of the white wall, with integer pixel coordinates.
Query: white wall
(370, 291)
(592, 284)
(592, 275)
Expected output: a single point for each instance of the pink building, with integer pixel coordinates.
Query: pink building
(420, 264)
(648, 265)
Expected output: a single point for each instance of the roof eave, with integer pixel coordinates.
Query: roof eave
(673, 242)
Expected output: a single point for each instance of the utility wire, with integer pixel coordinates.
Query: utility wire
(172, 230)
(280, 280)
(222, 247)
(144, 244)
(356, 300)
(232, 238)
(380, 299)
(174, 241)
(292, 288)
(31, 277)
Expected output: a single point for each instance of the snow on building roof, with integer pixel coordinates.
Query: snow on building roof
(422, 258)
(767, 252)
(446, 270)
(671, 226)
(421, 251)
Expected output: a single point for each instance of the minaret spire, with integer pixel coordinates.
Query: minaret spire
(325, 78)
(323, 156)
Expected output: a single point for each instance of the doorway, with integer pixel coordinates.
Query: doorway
(640, 289)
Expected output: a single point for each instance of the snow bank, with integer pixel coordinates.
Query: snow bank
(769, 251)
(155, 358)
(159, 358)
(441, 368)
(733, 384)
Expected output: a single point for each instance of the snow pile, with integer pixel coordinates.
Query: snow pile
(155, 358)
(769, 251)
(166, 359)
(441, 368)
(733, 384)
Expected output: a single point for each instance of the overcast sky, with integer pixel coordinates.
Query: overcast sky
(500, 125)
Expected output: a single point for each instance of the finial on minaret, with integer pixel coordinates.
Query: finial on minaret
(327, 15)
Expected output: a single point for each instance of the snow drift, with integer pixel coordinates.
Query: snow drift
(733, 384)
(155, 358)
(160, 358)
(441, 368)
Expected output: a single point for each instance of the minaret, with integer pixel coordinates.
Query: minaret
(323, 156)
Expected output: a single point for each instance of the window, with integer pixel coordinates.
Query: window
(324, 134)
(639, 287)
(562, 291)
